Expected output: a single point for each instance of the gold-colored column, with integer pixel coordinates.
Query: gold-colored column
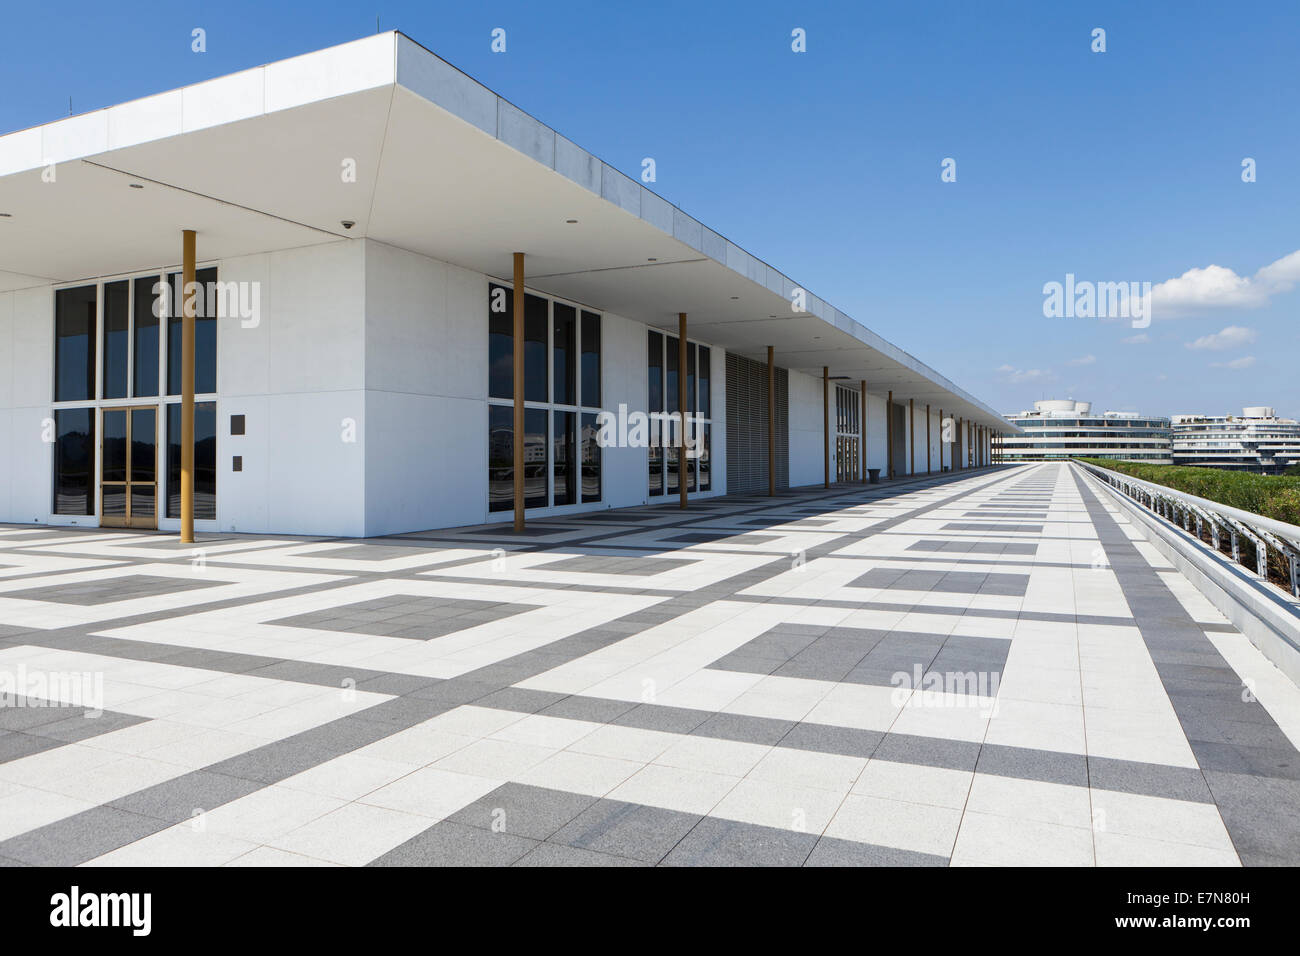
(518, 384)
(826, 426)
(771, 422)
(889, 434)
(188, 271)
(862, 432)
(681, 405)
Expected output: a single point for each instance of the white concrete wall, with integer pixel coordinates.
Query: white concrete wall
(807, 430)
(624, 380)
(877, 445)
(26, 390)
(426, 392)
(298, 376)
(718, 414)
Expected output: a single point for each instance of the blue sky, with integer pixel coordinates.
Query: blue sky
(1115, 166)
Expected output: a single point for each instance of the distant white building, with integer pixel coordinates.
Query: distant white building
(1064, 428)
(1257, 441)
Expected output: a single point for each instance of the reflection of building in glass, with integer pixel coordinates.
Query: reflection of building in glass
(1070, 429)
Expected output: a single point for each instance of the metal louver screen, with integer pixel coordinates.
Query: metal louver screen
(747, 426)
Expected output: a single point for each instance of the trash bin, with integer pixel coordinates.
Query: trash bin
(874, 475)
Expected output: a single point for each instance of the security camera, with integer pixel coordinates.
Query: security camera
(348, 223)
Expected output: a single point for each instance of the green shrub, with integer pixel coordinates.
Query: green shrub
(1272, 496)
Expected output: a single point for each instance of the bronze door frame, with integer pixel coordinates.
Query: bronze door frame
(129, 519)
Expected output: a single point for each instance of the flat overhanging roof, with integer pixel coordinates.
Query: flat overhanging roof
(253, 162)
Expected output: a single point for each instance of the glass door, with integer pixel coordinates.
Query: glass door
(129, 468)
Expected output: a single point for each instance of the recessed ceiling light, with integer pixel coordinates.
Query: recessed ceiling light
(136, 186)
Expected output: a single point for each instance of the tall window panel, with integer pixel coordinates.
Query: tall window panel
(564, 459)
(591, 394)
(117, 338)
(205, 460)
(564, 356)
(535, 457)
(591, 459)
(501, 461)
(501, 339)
(655, 374)
(74, 344)
(144, 314)
(74, 461)
(205, 335)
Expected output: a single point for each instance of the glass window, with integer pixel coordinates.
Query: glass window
(536, 385)
(703, 372)
(501, 338)
(205, 336)
(501, 468)
(74, 461)
(704, 464)
(590, 458)
(117, 331)
(670, 386)
(205, 460)
(113, 445)
(535, 455)
(690, 377)
(564, 459)
(74, 346)
(656, 371)
(145, 316)
(591, 359)
(563, 353)
(561, 361)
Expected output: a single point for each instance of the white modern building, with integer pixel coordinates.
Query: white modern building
(1257, 440)
(1064, 428)
(363, 222)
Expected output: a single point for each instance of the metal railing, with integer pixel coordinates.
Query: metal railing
(1223, 523)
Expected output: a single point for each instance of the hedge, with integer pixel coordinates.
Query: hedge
(1272, 496)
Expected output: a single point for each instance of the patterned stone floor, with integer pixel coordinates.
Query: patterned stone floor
(991, 668)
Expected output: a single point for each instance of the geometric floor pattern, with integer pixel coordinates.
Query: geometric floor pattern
(982, 669)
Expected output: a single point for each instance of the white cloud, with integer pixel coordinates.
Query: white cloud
(1218, 287)
(1019, 376)
(1246, 361)
(1234, 336)
(1082, 360)
(1140, 339)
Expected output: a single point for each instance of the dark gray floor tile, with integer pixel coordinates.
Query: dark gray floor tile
(716, 842)
(533, 812)
(454, 844)
(831, 851)
(630, 830)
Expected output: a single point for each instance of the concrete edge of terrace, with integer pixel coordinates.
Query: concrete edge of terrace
(1265, 615)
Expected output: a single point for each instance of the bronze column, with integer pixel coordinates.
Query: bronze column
(518, 386)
